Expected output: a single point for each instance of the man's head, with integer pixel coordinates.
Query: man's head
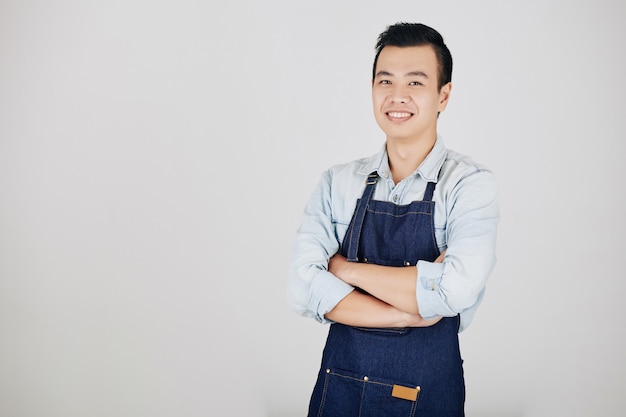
(417, 34)
(411, 82)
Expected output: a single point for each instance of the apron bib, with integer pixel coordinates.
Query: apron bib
(391, 371)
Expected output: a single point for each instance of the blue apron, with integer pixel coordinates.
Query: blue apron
(391, 371)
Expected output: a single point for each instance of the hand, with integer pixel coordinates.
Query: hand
(415, 320)
(338, 266)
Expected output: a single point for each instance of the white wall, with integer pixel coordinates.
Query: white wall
(155, 157)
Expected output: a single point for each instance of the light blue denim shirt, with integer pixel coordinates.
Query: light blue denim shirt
(466, 218)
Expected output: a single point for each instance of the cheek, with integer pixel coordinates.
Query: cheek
(426, 103)
(377, 100)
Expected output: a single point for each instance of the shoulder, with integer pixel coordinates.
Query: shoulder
(461, 163)
(460, 166)
(359, 166)
(354, 172)
(460, 173)
(343, 184)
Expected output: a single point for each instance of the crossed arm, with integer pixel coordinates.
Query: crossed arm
(390, 296)
(390, 302)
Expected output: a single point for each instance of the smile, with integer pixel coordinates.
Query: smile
(398, 115)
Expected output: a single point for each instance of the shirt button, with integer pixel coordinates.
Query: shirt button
(395, 198)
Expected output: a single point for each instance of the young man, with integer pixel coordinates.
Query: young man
(394, 250)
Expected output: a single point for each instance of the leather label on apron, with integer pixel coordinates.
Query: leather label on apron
(405, 393)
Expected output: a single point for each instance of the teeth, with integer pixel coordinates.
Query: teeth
(399, 114)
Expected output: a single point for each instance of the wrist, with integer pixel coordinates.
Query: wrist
(351, 273)
(412, 320)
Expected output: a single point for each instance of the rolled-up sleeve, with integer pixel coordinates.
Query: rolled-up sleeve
(312, 290)
(457, 285)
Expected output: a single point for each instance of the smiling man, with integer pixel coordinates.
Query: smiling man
(394, 250)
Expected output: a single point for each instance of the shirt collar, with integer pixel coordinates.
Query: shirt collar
(428, 169)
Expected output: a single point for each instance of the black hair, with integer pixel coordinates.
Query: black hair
(417, 34)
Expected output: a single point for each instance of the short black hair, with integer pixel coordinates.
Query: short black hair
(417, 34)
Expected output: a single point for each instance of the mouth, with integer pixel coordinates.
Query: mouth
(399, 116)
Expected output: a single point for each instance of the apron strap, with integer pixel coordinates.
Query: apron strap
(359, 216)
(361, 208)
(430, 189)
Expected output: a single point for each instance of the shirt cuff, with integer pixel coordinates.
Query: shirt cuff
(328, 291)
(430, 299)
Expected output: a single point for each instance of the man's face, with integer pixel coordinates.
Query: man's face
(405, 94)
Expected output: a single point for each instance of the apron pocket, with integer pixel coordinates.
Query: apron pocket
(346, 393)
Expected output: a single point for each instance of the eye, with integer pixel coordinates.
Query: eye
(385, 82)
(415, 83)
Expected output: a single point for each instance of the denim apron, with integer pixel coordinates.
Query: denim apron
(391, 371)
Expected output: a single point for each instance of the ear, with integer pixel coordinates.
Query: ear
(444, 96)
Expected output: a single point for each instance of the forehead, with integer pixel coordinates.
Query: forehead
(404, 59)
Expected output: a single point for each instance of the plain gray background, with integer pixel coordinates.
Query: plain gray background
(155, 157)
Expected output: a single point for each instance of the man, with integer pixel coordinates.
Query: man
(394, 250)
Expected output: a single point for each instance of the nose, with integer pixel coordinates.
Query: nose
(400, 96)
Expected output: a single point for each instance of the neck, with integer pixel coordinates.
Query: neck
(406, 157)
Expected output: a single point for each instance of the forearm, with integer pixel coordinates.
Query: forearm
(395, 286)
(358, 309)
(392, 285)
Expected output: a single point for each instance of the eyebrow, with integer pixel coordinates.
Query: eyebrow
(409, 74)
